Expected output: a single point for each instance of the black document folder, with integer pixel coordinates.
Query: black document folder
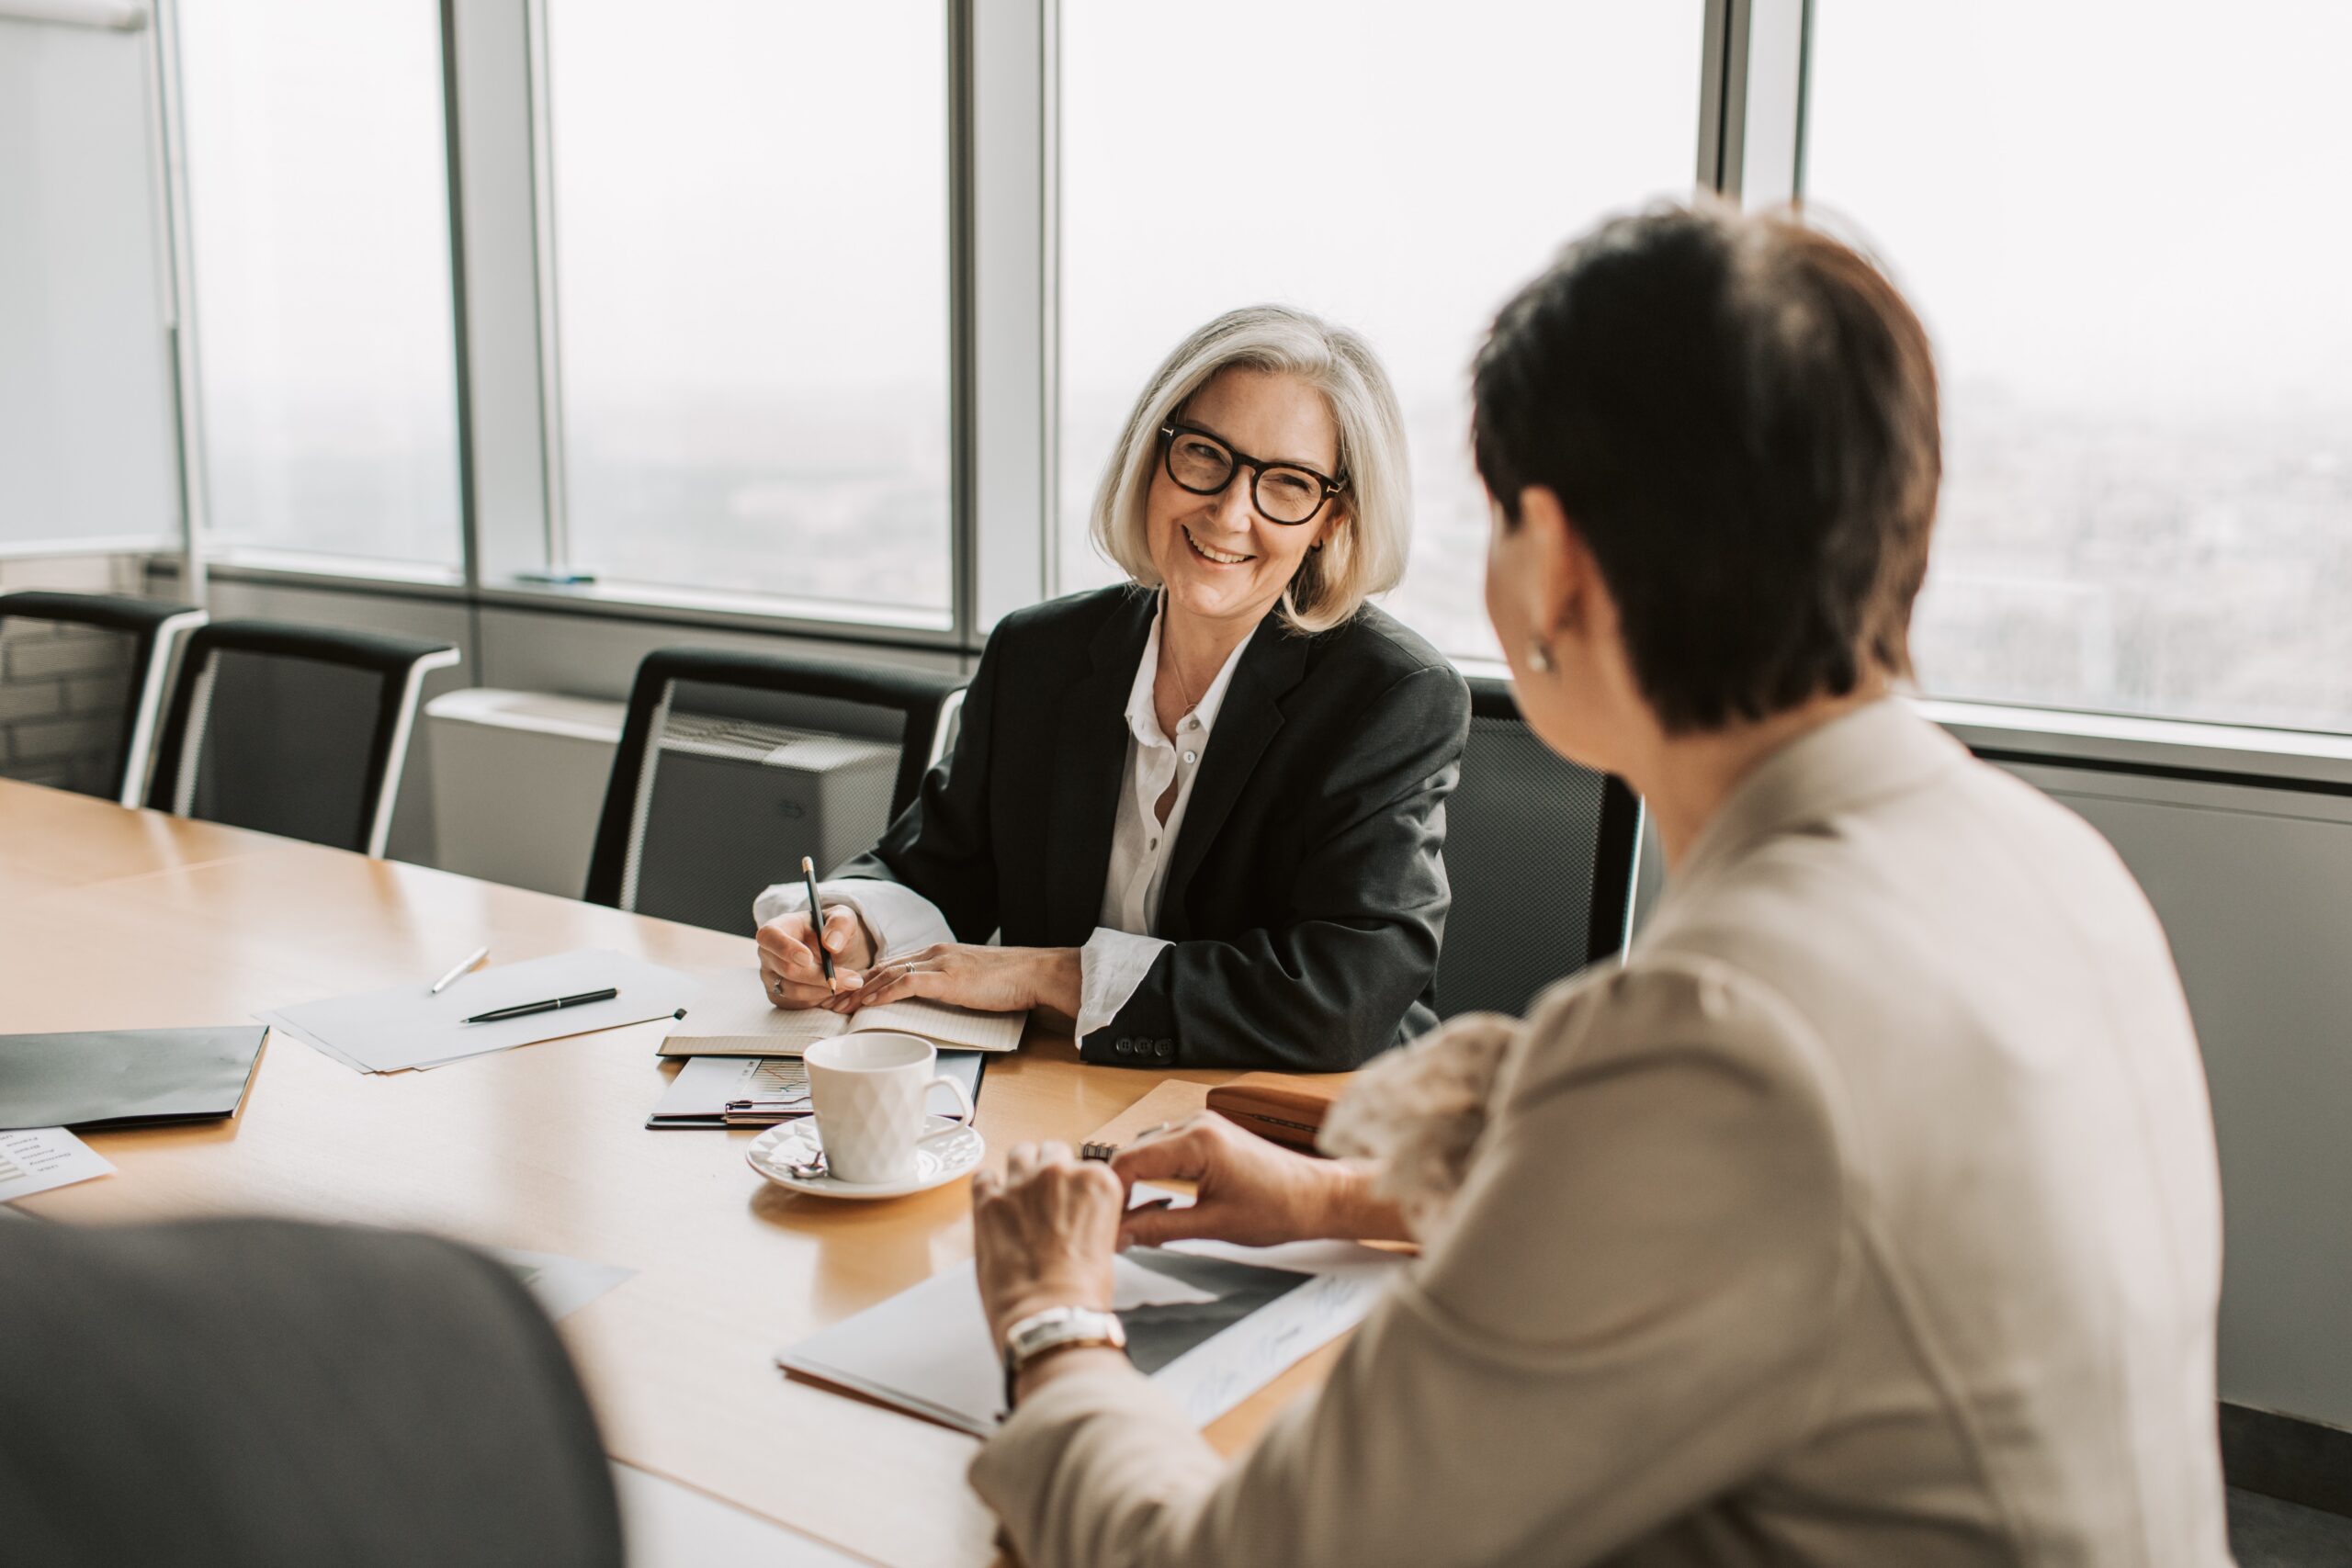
(124, 1078)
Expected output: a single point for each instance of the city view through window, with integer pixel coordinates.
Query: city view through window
(2147, 502)
(319, 214)
(2148, 435)
(751, 218)
(1430, 161)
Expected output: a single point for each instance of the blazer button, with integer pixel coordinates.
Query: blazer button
(1165, 1049)
(1124, 1047)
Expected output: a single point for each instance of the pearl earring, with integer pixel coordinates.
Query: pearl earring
(1538, 656)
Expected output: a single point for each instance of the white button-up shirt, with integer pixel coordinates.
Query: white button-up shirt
(1123, 946)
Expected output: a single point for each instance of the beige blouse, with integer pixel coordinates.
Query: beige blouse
(1868, 1215)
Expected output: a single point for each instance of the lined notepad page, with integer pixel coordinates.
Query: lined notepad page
(727, 1025)
(959, 1027)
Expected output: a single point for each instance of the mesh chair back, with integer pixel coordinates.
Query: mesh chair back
(1540, 853)
(283, 1395)
(82, 679)
(296, 730)
(733, 766)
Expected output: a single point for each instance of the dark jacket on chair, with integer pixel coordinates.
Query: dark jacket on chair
(1306, 892)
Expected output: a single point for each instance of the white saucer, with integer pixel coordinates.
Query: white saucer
(941, 1159)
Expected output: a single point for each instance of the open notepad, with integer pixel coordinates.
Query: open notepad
(732, 1017)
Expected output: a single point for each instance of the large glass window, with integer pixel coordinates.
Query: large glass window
(2125, 231)
(318, 220)
(1395, 167)
(752, 291)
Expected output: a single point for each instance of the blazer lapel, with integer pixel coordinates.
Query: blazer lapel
(1276, 662)
(1088, 753)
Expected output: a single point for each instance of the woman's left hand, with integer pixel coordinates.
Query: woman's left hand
(1044, 1233)
(991, 979)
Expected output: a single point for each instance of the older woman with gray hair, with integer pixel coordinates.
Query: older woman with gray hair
(1202, 809)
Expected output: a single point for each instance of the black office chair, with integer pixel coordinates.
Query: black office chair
(296, 730)
(82, 679)
(733, 765)
(284, 1395)
(1539, 852)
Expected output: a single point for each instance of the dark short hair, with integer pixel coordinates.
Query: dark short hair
(1738, 414)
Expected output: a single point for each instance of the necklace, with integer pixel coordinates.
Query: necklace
(1191, 702)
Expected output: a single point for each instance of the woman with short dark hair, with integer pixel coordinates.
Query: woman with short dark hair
(1868, 1215)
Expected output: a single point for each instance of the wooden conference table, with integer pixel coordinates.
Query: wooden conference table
(115, 919)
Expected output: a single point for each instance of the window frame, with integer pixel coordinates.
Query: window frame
(200, 557)
(1003, 92)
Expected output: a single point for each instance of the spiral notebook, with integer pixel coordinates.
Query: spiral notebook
(732, 1017)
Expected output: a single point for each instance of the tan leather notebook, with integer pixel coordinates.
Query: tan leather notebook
(1285, 1107)
(1169, 1103)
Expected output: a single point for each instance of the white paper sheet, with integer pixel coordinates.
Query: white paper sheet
(563, 1285)
(37, 1159)
(393, 1031)
(927, 1350)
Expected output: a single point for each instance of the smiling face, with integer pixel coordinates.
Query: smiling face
(1219, 554)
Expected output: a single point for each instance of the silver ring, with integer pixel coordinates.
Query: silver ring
(776, 983)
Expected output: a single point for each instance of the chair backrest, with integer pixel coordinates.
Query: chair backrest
(1540, 853)
(82, 680)
(298, 730)
(282, 1395)
(733, 766)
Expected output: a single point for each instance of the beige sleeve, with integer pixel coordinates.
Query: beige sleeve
(1627, 1315)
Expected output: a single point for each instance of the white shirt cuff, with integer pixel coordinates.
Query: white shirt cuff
(899, 918)
(1110, 966)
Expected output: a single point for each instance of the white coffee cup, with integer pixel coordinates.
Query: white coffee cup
(869, 1092)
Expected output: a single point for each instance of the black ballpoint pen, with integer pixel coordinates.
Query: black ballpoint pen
(524, 1010)
(816, 916)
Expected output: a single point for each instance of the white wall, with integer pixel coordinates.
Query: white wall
(2255, 887)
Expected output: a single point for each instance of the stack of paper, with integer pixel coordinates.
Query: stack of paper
(760, 1091)
(395, 1030)
(707, 1088)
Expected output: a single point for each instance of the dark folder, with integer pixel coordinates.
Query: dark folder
(124, 1077)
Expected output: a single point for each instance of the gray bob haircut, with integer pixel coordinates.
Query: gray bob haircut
(1366, 554)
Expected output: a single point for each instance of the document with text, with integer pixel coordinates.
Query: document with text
(38, 1158)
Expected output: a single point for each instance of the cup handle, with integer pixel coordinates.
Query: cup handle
(963, 1096)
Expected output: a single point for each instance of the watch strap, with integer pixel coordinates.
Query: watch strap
(1057, 1329)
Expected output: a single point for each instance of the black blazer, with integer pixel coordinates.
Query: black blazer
(1305, 893)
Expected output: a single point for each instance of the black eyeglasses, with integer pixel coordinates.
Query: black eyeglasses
(1285, 492)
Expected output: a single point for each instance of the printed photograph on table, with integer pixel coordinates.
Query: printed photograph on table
(1171, 1302)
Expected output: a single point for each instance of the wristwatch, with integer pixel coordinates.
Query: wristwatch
(1057, 1329)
